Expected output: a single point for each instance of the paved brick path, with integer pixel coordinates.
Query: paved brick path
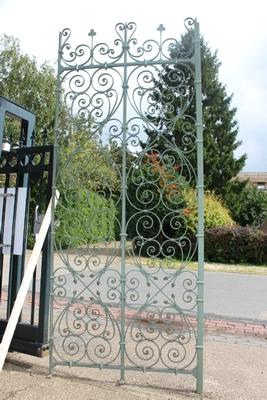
(254, 329)
(212, 325)
(236, 328)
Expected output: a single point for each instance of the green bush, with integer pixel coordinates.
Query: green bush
(215, 213)
(247, 204)
(88, 186)
(236, 244)
(84, 217)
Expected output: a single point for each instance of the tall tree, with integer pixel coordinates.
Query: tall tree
(174, 93)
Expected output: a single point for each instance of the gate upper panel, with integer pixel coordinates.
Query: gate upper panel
(124, 294)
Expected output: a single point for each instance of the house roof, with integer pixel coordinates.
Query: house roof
(253, 176)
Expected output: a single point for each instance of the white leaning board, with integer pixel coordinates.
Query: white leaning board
(8, 219)
(20, 220)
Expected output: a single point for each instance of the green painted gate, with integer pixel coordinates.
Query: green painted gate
(130, 216)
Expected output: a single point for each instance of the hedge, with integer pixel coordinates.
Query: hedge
(236, 245)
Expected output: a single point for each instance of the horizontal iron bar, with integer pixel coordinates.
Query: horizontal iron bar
(128, 368)
(32, 348)
(7, 195)
(26, 169)
(35, 149)
(128, 64)
(4, 245)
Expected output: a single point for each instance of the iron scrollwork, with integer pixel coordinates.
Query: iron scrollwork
(130, 289)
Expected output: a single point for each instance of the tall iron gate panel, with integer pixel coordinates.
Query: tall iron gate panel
(124, 293)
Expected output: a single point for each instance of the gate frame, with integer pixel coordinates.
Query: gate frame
(29, 338)
(196, 61)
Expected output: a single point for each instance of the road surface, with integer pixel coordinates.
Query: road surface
(236, 295)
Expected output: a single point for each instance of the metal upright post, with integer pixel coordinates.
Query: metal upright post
(123, 206)
(200, 196)
(54, 194)
(2, 124)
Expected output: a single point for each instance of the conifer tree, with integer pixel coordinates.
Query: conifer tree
(219, 116)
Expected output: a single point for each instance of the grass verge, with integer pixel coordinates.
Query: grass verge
(210, 267)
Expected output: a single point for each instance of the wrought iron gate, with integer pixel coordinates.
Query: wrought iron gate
(124, 295)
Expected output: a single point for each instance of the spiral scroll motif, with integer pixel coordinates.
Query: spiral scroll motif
(161, 97)
(165, 339)
(103, 54)
(86, 331)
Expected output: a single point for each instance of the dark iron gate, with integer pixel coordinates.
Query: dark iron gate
(124, 294)
(25, 191)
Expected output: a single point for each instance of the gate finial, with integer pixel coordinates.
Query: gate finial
(161, 28)
(92, 33)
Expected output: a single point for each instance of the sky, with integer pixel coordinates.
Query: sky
(237, 30)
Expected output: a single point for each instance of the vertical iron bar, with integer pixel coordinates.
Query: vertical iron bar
(23, 180)
(14, 271)
(200, 196)
(46, 264)
(33, 297)
(2, 124)
(26, 179)
(123, 233)
(1, 273)
(52, 230)
(17, 261)
(2, 235)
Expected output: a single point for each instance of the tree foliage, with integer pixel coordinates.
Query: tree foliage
(162, 208)
(22, 81)
(216, 214)
(174, 92)
(220, 127)
(88, 183)
(247, 204)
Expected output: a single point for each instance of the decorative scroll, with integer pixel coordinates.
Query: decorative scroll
(103, 54)
(162, 337)
(160, 97)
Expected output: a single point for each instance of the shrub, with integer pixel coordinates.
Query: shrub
(236, 245)
(87, 182)
(247, 204)
(84, 217)
(215, 213)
